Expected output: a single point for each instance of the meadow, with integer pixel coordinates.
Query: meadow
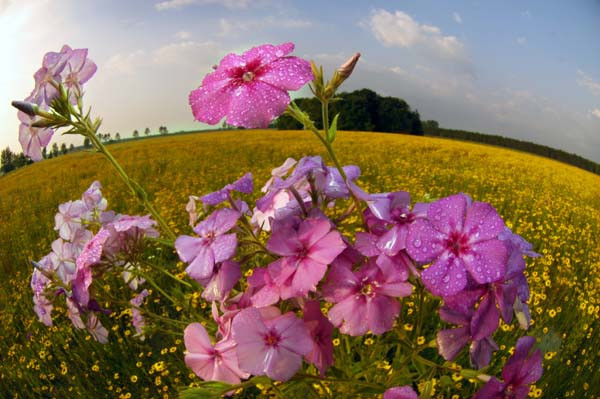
(554, 206)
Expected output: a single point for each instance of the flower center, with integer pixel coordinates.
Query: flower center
(248, 76)
(271, 339)
(457, 243)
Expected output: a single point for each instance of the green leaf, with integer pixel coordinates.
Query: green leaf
(331, 133)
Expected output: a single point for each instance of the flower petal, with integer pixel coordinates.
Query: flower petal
(486, 261)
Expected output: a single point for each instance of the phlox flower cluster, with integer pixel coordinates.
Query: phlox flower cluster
(92, 241)
(69, 67)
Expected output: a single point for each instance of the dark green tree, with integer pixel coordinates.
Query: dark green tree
(55, 151)
(7, 158)
(147, 131)
(136, 133)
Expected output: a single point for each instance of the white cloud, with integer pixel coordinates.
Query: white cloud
(177, 4)
(231, 27)
(401, 30)
(125, 64)
(457, 17)
(183, 35)
(187, 52)
(595, 112)
(585, 80)
(521, 40)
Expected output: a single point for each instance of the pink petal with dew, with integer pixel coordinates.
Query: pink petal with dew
(485, 320)
(327, 248)
(224, 247)
(249, 331)
(284, 241)
(188, 247)
(451, 341)
(224, 220)
(366, 244)
(447, 214)
(404, 392)
(486, 261)
(482, 222)
(307, 275)
(341, 283)
(350, 315)
(381, 312)
(210, 103)
(446, 276)
(423, 242)
(281, 363)
(255, 104)
(312, 230)
(267, 53)
(289, 73)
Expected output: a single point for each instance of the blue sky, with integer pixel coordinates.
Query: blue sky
(528, 70)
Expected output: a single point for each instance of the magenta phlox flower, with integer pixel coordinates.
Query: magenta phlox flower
(211, 362)
(96, 329)
(329, 181)
(33, 139)
(320, 330)
(212, 246)
(243, 185)
(274, 347)
(134, 226)
(91, 254)
(365, 299)
(264, 290)
(74, 313)
(224, 278)
(68, 219)
(306, 247)
(275, 209)
(63, 257)
(136, 316)
(523, 368)
(458, 237)
(404, 392)
(386, 252)
(250, 90)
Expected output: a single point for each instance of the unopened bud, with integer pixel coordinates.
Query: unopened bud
(345, 70)
(30, 109)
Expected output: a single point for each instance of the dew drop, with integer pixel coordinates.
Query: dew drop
(417, 243)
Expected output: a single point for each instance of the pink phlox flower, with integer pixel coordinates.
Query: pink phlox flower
(458, 237)
(523, 368)
(404, 392)
(136, 316)
(91, 254)
(365, 299)
(94, 202)
(33, 139)
(74, 312)
(385, 250)
(264, 290)
(262, 218)
(243, 185)
(250, 90)
(225, 276)
(476, 325)
(96, 329)
(63, 257)
(192, 210)
(211, 247)
(279, 172)
(68, 219)
(52, 65)
(78, 70)
(39, 285)
(329, 181)
(306, 247)
(270, 346)
(210, 362)
(320, 330)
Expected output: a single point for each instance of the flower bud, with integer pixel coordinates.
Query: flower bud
(30, 109)
(341, 74)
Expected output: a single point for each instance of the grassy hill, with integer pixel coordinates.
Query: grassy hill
(552, 205)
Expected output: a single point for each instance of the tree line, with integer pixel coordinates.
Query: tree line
(362, 110)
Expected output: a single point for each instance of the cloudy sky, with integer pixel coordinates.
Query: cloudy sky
(528, 70)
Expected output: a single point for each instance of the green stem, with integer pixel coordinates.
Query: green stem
(135, 188)
(160, 269)
(162, 292)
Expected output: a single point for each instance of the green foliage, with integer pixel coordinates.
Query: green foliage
(362, 110)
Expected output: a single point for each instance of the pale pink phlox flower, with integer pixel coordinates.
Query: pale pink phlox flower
(68, 219)
(404, 392)
(243, 185)
(211, 247)
(78, 70)
(96, 329)
(33, 139)
(279, 172)
(52, 65)
(210, 362)
(39, 285)
(192, 210)
(224, 278)
(274, 346)
(250, 90)
(136, 316)
(94, 202)
(63, 257)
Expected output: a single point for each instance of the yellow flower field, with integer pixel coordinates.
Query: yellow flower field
(554, 206)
